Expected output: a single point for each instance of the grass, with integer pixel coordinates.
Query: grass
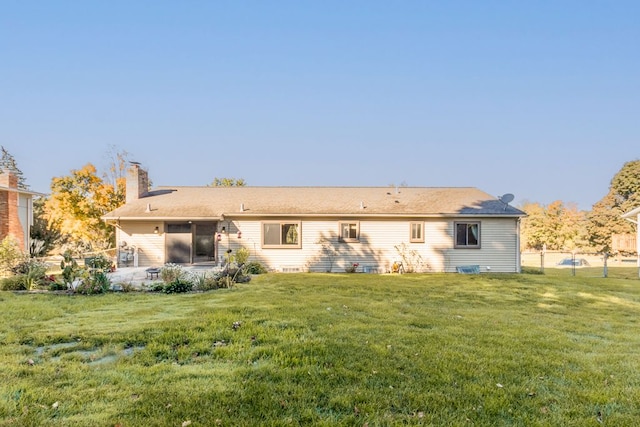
(327, 350)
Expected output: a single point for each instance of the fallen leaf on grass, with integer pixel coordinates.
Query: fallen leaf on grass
(186, 423)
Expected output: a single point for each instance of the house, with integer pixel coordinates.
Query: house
(16, 210)
(320, 229)
(634, 217)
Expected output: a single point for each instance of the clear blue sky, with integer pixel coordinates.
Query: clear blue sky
(540, 99)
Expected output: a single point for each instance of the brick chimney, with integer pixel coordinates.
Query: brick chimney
(10, 224)
(137, 182)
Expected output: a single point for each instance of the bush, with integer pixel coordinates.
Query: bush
(254, 267)
(97, 283)
(99, 262)
(57, 286)
(156, 287)
(10, 255)
(242, 256)
(171, 273)
(178, 286)
(204, 281)
(13, 283)
(33, 271)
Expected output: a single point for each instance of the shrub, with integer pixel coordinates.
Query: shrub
(242, 256)
(411, 259)
(204, 281)
(13, 283)
(70, 269)
(156, 287)
(57, 286)
(97, 283)
(171, 272)
(99, 262)
(352, 268)
(254, 267)
(10, 255)
(33, 271)
(178, 286)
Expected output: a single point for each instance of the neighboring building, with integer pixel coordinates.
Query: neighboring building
(634, 217)
(16, 210)
(317, 228)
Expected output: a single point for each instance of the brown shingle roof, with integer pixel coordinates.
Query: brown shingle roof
(217, 202)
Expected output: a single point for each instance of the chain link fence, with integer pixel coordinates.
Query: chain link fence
(581, 264)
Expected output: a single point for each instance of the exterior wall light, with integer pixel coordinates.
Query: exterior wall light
(239, 234)
(156, 230)
(219, 237)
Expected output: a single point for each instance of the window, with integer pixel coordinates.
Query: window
(467, 234)
(281, 234)
(417, 234)
(349, 231)
(179, 228)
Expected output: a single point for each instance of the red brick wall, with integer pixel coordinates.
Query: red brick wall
(9, 218)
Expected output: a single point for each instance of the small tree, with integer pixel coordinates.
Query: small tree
(10, 256)
(411, 259)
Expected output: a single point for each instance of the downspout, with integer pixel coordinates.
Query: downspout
(518, 255)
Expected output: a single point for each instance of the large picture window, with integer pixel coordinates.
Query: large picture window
(281, 234)
(416, 231)
(467, 234)
(349, 231)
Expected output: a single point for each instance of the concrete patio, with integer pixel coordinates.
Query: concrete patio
(138, 276)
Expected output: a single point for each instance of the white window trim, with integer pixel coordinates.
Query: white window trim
(349, 239)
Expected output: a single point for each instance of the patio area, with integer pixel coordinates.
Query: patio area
(139, 276)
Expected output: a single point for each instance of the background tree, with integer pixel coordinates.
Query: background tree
(605, 217)
(116, 168)
(228, 182)
(556, 226)
(76, 204)
(45, 236)
(7, 162)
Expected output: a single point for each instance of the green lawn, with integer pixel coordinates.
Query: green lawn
(330, 349)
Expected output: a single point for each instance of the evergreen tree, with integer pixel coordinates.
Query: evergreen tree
(7, 162)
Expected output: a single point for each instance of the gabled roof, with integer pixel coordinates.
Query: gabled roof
(212, 203)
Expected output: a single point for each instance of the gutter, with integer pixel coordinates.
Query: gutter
(224, 217)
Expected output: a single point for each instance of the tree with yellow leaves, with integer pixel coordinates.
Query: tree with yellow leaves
(76, 204)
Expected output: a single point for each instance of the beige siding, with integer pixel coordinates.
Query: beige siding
(381, 243)
(149, 246)
(498, 252)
